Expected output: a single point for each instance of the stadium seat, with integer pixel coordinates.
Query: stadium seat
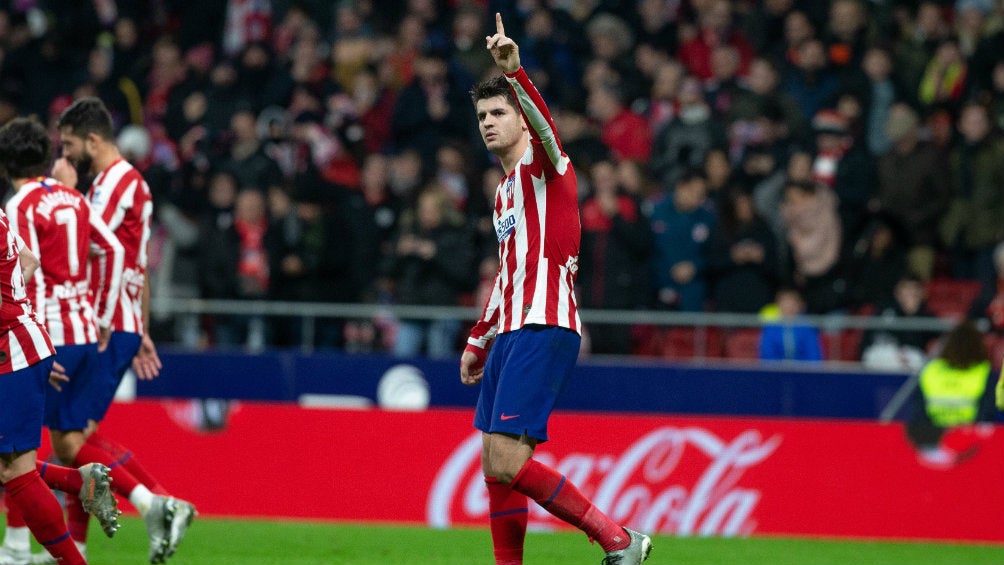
(843, 345)
(951, 298)
(742, 343)
(678, 343)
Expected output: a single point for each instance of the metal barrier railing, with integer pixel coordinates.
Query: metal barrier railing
(309, 312)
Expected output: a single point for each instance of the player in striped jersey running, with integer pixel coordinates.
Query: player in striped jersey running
(26, 357)
(59, 228)
(530, 323)
(122, 199)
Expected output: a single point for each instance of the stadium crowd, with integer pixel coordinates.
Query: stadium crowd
(726, 149)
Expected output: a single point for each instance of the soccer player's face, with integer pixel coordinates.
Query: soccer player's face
(500, 124)
(75, 150)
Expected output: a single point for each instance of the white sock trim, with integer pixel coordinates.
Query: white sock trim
(141, 498)
(17, 538)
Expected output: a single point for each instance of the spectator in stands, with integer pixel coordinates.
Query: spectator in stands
(432, 264)
(654, 24)
(430, 109)
(685, 140)
(765, 23)
(614, 257)
(916, 42)
(625, 133)
(611, 41)
(989, 304)
(759, 97)
(374, 213)
(876, 260)
(742, 262)
(718, 170)
(723, 86)
(637, 182)
(549, 55)
(798, 29)
(217, 263)
(246, 159)
(715, 27)
(765, 177)
(944, 80)
(232, 262)
(972, 226)
(903, 350)
(912, 187)
(682, 223)
(466, 30)
(661, 104)
(809, 81)
(846, 34)
(309, 261)
(374, 105)
(845, 167)
(955, 390)
(882, 91)
(788, 337)
(457, 172)
(406, 175)
(815, 237)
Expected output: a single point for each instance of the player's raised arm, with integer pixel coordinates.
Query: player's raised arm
(503, 49)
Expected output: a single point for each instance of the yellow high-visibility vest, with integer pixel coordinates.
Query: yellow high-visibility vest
(952, 395)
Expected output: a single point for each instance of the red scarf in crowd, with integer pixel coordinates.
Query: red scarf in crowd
(252, 264)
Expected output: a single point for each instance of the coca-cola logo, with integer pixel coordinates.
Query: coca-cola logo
(682, 481)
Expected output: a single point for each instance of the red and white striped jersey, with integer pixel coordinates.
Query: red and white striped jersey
(122, 198)
(58, 225)
(537, 223)
(23, 339)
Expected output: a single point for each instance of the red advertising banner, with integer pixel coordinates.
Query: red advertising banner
(659, 474)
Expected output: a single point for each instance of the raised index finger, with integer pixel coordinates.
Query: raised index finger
(499, 28)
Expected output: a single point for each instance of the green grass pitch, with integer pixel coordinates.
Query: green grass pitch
(253, 542)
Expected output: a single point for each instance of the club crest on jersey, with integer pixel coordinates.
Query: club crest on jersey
(505, 224)
(509, 184)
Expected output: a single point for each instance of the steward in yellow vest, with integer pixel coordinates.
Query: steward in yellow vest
(954, 387)
(952, 394)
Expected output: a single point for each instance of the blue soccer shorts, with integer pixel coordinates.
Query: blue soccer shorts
(114, 362)
(69, 409)
(525, 372)
(22, 394)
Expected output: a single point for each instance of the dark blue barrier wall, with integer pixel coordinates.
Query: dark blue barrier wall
(624, 386)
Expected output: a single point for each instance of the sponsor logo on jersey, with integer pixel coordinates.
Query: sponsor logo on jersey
(505, 224)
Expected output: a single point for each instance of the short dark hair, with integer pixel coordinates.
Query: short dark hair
(964, 346)
(25, 149)
(490, 88)
(86, 116)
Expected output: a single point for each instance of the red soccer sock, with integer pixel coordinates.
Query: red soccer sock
(127, 459)
(123, 482)
(507, 517)
(77, 519)
(560, 497)
(41, 511)
(14, 518)
(66, 479)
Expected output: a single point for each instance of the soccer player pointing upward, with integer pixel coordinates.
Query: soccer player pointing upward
(530, 323)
